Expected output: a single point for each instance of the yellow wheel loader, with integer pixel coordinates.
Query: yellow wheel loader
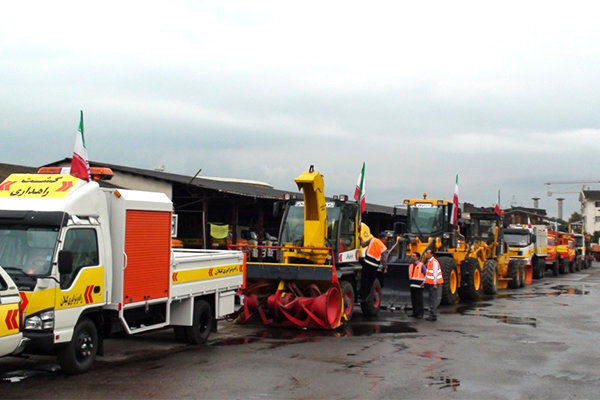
(471, 254)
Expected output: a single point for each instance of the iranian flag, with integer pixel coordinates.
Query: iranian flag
(497, 209)
(359, 192)
(80, 167)
(454, 220)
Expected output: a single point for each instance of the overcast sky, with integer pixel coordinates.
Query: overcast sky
(505, 95)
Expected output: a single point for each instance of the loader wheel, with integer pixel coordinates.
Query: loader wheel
(538, 268)
(555, 267)
(514, 274)
(522, 274)
(564, 266)
(471, 287)
(348, 297)
(78, 355)
(490, 277)
(370, 306)
(202, 323)
(450, 285)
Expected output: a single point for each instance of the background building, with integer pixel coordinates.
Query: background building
(590, 210)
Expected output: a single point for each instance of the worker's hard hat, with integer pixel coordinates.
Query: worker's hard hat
(365, 232)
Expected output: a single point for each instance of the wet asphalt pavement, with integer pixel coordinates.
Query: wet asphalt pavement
(542, 341)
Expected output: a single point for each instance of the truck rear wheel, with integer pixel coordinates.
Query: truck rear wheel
(451, 280)
(514, 274)
(370, 305)
(490, 277)
(523, 274)
(78, 355)
(572, 267)
(555, 267)
(471, 286)
(202, 324)
(538, 266)
(348, 297)
(564, 266)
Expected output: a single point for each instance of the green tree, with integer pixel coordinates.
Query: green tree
(575, 217)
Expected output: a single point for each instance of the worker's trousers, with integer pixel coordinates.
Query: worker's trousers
(416, 298)
(435, 296)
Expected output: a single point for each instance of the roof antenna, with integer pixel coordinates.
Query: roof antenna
(194, 177)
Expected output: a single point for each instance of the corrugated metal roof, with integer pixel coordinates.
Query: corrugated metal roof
(239, 188)
(7, 169)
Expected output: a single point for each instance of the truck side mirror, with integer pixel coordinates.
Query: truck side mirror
(65, 262)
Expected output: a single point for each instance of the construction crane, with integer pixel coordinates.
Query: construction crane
(560, 200)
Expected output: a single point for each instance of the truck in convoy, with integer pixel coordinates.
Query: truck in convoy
(11, 338)
(528, 243)
(90, 261)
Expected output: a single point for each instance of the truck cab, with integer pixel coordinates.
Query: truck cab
(11, 339)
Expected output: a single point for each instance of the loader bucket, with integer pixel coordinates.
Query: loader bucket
(395, 292)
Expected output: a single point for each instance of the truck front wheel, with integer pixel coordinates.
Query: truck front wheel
(78, 355)
(202, 324)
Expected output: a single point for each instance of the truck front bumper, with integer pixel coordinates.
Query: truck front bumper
(39, 342)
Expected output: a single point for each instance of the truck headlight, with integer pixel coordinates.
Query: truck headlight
(41, 320)
(33, 322)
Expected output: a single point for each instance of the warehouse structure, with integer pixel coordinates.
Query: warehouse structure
(209, 209)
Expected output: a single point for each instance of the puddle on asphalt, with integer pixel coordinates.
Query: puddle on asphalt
(444, 382)
(477, 310)
(556, 290)
(22, 374)
(285, 336)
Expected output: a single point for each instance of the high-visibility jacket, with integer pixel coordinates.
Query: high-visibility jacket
(374, 251)
(415, 271)
(434, 272)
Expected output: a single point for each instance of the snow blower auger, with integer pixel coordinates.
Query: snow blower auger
(317, 281)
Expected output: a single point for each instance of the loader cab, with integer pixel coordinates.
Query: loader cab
(341, 225)
(427, 218)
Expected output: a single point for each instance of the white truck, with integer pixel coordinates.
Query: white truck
(89, 261)
(530, 244)
(11, 338)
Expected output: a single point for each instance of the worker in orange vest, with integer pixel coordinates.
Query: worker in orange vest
(374, 260)
(416, 279)
(433, 284)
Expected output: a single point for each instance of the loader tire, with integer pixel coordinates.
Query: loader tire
(564, 266)
(471, 287)
(77, 356)
(538, 273)
(370, 305)
(202, 324)
(523, 274)
(348, 297)
(555, 267)
(514, 274)
(451, 281)
(490, 277)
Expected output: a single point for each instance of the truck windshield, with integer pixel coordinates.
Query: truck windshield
(292, 230)
(27, 249)
(425, 220)
(579, 241)
(517, 239)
